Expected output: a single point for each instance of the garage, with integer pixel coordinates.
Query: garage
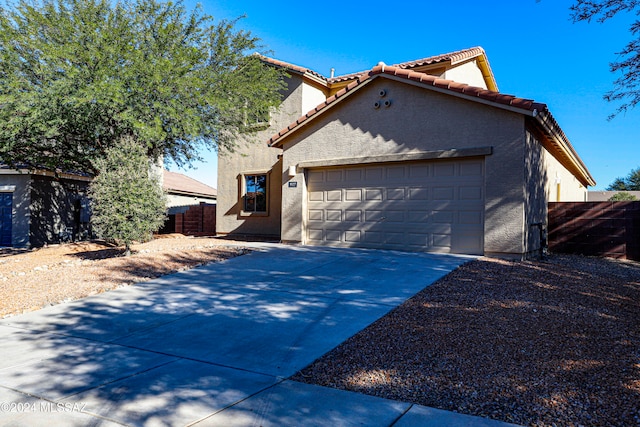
(433, 206)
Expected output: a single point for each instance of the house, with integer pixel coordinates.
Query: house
(425, 155)
(38, 207)
(185, 191)
(191, 205)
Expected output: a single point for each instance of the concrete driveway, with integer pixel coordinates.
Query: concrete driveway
(213, 346)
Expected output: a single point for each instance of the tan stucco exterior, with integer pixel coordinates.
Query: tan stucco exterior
(468, 73)
(418, 120)
(390, 118)
(253, 155)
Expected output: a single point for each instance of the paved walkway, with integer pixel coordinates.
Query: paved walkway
(214, 346)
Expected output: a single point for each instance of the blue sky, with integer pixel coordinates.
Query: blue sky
(534, 49)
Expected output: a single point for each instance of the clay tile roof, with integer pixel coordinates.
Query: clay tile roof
(423, 78)
(453, 57)
(290, 67)
(177, 182)
(346, 77)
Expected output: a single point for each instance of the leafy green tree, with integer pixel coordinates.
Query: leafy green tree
(622, 196)
(127, 200)
(78, 75)
(626, 88)
(629, 183)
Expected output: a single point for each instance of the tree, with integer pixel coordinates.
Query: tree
(630, 183)
(127, 200)
(622, 196)
(627, 87)
(79, 75)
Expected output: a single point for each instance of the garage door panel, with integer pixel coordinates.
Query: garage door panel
(418, 193)
(316, 196)
(443, 193)
(315, 177)
(395, 194)
(470, 217)
(333, 235)
(418, 239)
(418, 216)
(353, 215)
(352, 195)
(444, 169)
(431, 205)
(334, 176)
(352, 236)
(373, 194)
(316, 215)
(373, 174)
(354, 175)
(470, 193)
(334, 215)
(371, 215)
(442, 241)
(442, 217)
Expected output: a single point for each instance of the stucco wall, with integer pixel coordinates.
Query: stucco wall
(21, 202)
(466, 73)
(536, 196)
(417, 120)
(570, 188)
(253, 155)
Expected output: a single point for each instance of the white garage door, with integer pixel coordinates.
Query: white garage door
(421, 206)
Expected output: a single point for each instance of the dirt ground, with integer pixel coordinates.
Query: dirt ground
(32, 279)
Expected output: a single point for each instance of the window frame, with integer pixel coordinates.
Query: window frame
(243, 193)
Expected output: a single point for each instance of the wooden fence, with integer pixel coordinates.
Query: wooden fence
(610, 229)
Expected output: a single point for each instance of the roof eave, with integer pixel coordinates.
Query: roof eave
(189, 193)
(560, 143)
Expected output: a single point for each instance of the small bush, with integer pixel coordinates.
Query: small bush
(128, 202)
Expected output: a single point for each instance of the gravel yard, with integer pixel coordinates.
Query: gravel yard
(30, 280)
(538, 343)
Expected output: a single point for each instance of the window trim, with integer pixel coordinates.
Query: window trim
(242, 193)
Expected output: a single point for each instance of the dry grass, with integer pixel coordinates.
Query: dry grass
(554, 342)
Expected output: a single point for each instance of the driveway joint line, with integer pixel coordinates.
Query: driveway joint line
(237, 403)
(394, 422)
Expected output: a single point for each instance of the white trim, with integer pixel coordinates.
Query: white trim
(7, 188)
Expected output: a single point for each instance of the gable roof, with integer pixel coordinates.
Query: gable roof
(178, 183)
(452, 58)
(553, 138)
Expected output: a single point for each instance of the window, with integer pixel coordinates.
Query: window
(255, 193)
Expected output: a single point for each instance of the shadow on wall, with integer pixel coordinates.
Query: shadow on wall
(59, 211)
(536, 212)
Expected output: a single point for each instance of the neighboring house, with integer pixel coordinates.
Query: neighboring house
(191, 205)
(426, 155)
(39, 207)
(603, 196)
(185, 191)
